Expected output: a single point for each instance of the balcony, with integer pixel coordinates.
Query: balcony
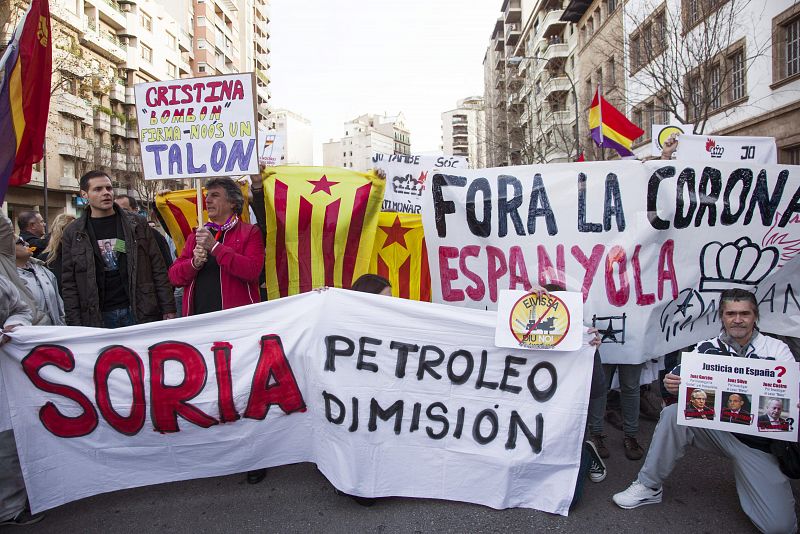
(552, 23)
(130, 96)
(512, 34)
(499, 44)
(117, 92)
(76, 147)
(553, 51)
(72, 105)
(102, 155)
(500, 62)
(119, 161)
(132, 131)
(185, 42)
(110, 12)
(102, 121)
(557, 85)
(67, 16)
(117, 128)
(104, 43)
(512, 11)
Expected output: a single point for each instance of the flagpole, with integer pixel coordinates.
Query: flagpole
(44, 189)
(198, 185)
(600, 105)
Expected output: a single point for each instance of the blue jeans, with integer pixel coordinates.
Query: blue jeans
(118, 318)
(629, 375)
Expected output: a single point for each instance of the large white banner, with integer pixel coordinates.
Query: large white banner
(650, 245)
(198, 127)
(406, 176)
(386, 396)
(745, 150)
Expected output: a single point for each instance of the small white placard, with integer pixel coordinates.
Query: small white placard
(539, 321)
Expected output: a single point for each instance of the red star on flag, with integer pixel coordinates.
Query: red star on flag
(323, 184)
(395, 233)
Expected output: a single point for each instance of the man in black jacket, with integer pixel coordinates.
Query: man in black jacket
(32, 230)
(132, 289)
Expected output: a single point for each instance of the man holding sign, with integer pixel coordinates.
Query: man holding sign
(764, 491)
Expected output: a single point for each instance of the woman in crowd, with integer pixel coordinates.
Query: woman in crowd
(51, 256)
(41, 283)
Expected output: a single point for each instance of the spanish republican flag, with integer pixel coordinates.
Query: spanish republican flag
(178, 210)
(610, 128)
(400, 255)
(25, 96)
(321, 224)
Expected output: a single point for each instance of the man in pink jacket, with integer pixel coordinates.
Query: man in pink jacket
(222, 260)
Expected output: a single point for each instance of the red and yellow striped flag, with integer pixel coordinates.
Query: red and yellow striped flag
(400, 255)
(321, 224)
(179, 211)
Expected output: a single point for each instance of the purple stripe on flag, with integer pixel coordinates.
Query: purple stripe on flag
(609, 143)
(8, 139)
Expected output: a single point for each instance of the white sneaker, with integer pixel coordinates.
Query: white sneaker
(637, 495)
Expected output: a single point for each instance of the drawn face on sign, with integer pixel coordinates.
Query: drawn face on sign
(681, 313)
(539, 320)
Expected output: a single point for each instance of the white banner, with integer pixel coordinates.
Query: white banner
(742, 395)
(649, 245)
(406, 177)
(387, 396)
(744, 150)
(198, 127)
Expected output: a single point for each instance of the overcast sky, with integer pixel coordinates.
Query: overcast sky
(332, 61)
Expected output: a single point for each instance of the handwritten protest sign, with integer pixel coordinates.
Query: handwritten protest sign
(197, 127)
(393, 397)
(727, 148)
(649, 245)
(406, 176)
(541, 321)
(742, 395)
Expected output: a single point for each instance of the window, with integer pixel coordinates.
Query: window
(172, 70)
(68, 169)
(661, 33)
(636, 55)
(612, 5)
(692, 12)
(695, 96)
(201, 68)
(786, 45)
(793, 47)
(146, 53)
(146, 21)
(738, 89)
(172, 42)
(791, 155)
(612, 72)
(649, 118)
(714, 100)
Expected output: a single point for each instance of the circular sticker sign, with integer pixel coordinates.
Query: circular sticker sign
(539, 320)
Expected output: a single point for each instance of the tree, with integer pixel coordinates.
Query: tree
(687, 59)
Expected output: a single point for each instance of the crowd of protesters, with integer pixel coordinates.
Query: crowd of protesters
(111, 268)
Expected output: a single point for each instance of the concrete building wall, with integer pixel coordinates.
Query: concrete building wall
(297, 134)
(462, 131)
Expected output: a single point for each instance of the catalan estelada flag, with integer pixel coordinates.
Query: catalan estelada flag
(610, 128)
(25, 96)
(400, 255)
(178, 209)
(321, 224)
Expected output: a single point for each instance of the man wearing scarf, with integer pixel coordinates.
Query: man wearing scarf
(221, 261)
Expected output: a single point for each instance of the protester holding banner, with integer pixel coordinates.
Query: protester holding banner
(13, 500)
(764, 491)
(41, 283)
(113, 272)
(220, 271)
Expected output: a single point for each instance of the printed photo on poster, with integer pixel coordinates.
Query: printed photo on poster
(736, 408)
(699, 404)
(774, 415)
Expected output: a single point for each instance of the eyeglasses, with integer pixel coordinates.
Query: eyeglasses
(22, 242)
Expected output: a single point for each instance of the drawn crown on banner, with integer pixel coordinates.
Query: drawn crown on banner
(741, 263)
(407, 185)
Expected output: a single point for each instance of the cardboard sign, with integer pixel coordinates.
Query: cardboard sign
(198, 127)
(650, 246)
(406, 176)
(539, 321)
(758, 150)
(743, 395)
(365, 386)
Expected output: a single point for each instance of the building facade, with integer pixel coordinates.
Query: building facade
(297, 135)
(101, 49)
(462, 131)
(365, 136)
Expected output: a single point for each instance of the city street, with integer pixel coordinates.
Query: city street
(700, 497)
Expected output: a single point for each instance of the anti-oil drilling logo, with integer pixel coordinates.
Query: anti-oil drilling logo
(539, 321)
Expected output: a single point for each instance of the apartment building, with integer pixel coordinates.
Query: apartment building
(462, 131)
(658, 65)
(101, 49)
(297, 135)
(364, 136)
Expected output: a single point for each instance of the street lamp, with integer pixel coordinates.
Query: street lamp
(516, 60)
